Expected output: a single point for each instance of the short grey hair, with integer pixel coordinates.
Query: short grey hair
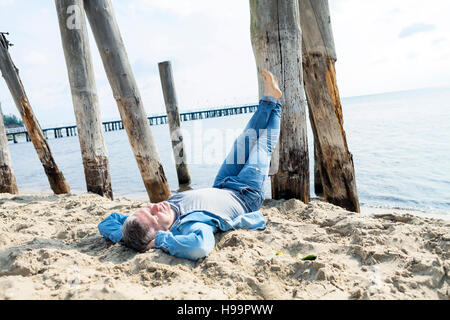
(135, 235)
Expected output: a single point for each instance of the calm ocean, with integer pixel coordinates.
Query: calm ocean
(400, 143)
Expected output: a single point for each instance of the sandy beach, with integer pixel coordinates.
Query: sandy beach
(50, 248)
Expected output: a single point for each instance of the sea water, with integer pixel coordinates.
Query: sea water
(400, 144)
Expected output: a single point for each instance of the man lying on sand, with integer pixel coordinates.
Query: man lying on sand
(184, 225)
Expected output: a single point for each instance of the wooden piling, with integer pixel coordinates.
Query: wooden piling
(173, 118)
(8, 182)
(318, 188)
(319, 56)
(276, 41)
(10, 73)
(126, 93)
(84, 97)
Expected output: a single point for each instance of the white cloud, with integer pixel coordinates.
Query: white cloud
(371, 57)
(213, 9)
(5, 3)
(36, 58)
(415, 28)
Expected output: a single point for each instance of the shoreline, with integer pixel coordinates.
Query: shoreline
(50, 248)
(434, 214)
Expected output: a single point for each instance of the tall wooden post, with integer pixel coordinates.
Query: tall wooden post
(319, 55)
(173, 117)
(77, 53)
(115, 61)
(7, 179)
(276, 40)
(55, 177)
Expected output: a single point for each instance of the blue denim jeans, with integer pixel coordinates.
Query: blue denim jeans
(247, 165)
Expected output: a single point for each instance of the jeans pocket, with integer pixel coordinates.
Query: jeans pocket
(252, 198)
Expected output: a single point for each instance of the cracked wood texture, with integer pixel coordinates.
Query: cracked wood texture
(10, 73)
(335, 163)
(86, 106)
(276, 40)
(173, 117)
(126, 93)
(7, 179)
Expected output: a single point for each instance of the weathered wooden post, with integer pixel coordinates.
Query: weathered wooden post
(319, 55)
(77, 53)
(318, 188)
(55, 177)
(115, 61)
(276, 40)
(7, 179)
(173, 117)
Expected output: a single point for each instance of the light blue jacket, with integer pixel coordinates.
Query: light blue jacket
(191, 236)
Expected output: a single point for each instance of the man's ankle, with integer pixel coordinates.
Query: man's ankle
(272, 99)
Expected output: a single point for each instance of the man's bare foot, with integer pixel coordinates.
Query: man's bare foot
(272, 88)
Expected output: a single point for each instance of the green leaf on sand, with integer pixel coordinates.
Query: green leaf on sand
(309, 258)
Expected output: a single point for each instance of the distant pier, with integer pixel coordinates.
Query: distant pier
(68, 131)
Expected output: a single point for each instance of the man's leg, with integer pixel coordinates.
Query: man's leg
(257, 166)
(255, 171)
(239, 154)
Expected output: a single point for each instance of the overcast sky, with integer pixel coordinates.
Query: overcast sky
(382, 46)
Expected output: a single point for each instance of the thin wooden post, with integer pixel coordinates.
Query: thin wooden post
(173, 118)
(126, 93)
(77, 54)
(319, 55)
(55, 177)
(8, 182)
(276, 41)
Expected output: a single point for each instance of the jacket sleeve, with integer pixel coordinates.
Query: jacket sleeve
(251, 221)
(196, 242)
(111, 227)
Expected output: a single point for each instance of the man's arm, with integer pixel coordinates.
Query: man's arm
(196, 242)
(111, 227)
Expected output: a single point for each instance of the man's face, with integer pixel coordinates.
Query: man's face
(158, 216)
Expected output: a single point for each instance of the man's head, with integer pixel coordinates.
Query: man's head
(141, 227)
